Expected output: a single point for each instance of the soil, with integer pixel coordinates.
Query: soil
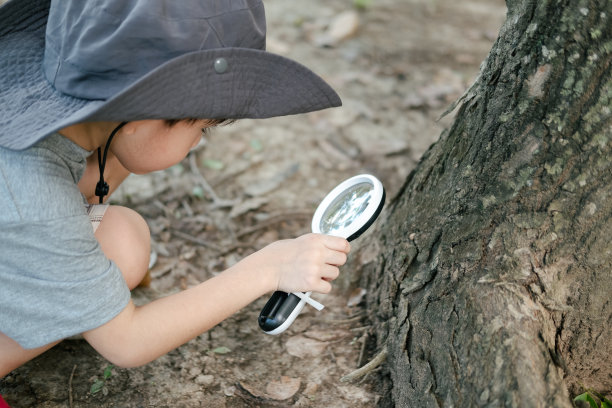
(401, 64)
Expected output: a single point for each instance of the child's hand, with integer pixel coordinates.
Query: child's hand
(307, 263)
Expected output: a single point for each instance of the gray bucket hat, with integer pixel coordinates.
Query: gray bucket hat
(65, 62)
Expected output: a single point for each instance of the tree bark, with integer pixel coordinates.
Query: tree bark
(492, 276)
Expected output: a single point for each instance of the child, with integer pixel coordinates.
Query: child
(91, 91)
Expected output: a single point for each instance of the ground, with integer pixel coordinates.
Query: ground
(397, 64)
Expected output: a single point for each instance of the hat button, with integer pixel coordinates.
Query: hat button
(220, 65)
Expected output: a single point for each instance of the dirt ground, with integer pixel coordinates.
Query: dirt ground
(396, 68)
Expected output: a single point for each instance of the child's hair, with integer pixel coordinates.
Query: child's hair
(210, 122)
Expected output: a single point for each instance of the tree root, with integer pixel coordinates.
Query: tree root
(371, 366)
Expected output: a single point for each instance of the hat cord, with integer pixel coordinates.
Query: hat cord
(102, 188)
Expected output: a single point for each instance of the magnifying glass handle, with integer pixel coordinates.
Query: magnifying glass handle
(282, 308)
(306, 297)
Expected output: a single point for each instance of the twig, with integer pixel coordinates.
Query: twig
(217, 202)
(361, 328)
(273, 220)
(332, 355)
(195, 240)
(187, 208)
(362, 371)
(167, 212)
(351, 319)
(364, 340)
(70, 401)
(237, 246)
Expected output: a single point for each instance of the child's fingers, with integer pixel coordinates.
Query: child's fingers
(336, 258)
(330, 273)
(323, 286)
(336, 243)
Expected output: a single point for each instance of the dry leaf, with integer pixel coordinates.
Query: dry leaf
(300, 346)
(256, 392)
(283, 389)
(343, 26)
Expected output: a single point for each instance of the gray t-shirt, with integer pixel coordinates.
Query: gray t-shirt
(54, 278)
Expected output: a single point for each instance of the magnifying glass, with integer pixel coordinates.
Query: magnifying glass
(347, 211)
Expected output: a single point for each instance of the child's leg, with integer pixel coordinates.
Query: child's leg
(124, 237)
(12, 355)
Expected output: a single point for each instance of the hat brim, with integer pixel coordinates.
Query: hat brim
(255, 84)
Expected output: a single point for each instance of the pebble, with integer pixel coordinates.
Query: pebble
(205, 379)
(194, 371)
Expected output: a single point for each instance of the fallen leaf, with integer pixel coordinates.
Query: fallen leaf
(253, 390)
(300, 346)
(283, 389)
(342, 27)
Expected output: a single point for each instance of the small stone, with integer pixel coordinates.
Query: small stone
(194, 371)
(205, 379)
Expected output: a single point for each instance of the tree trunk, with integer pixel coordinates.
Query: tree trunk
(493, 275)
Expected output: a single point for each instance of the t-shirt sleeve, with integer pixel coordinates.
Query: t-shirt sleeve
(55, 281)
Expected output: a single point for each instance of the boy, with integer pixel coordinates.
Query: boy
(126, 80)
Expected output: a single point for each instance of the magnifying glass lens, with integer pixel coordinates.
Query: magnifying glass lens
(346, 208)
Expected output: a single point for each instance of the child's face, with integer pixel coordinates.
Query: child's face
(150, 145)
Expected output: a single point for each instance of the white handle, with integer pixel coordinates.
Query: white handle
(306, 298)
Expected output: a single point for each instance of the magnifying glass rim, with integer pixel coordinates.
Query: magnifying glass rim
(363, 218)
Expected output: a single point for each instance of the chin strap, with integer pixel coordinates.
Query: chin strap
(102, 188)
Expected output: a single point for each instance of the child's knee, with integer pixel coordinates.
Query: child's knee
(125, 238)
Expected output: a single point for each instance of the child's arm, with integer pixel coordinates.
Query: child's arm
(114, 174)
(141, 334)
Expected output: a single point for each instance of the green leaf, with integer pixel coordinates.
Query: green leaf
(221, 350)
(213, 164)
(362, 4)
(606, 404)
(198, 192)
(586, 397)
(108, 371)
(97, 386)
